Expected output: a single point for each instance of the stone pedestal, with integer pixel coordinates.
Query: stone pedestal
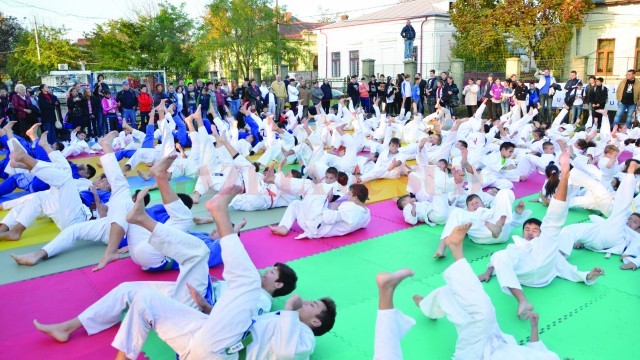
(457, 71)
(257, 74)
(513, 66)
(410, 67)
(368, 68)
(579, 64)
(284, 71)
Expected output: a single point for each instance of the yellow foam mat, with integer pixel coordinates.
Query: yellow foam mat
(41, 231)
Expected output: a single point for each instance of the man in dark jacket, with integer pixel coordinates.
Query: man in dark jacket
(430, 90)
(422, 86)
(353, 91)
(327, 95)
(408, 34)
(47, 113)
(373, 90)
(128, 101)
(486, 91)
(600, 95)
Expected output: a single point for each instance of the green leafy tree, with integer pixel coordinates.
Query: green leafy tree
(496, 29)
(10, 33)
(162, 40)
(24, 65)
(240, 32)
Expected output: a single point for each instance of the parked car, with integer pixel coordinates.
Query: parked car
(59, 92)
(336, 94)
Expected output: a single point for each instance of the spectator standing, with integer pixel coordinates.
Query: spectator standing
(577, 104)
(496, 99)
(534, 97)
(423, 87)
(450, 92)
(292, 90)
(191, 95)
(408, 33)
(98, 91)
(271, 101)
(128, 102)
(470, 93)
(432, 85)
(22, 110)
(180, 98)
(280, 89)
(90, 111)
(145, 102)
(415, 94)
(304, 97)
(110, 112)
(204, 100)
(628, 96)
(353, 91)
(264, 89)
(75, 115)
(316, 93)
(507, 97)
(327, 95)
(589, 95)
(373, 91)
(520, 93)
(48, 113)
(406, 91)
(365, 101)
(235, 97)
(545, 85)
(601, 94)
(487, 95)
(159, 95)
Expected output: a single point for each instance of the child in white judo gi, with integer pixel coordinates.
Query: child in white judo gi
(465, 303)
(61, 202)
(536, 260)
(530, 163)
(231, 327)
(499, 169)
(193, 287)
(489, 225)
(613, 234)
(390, 164)
(109, 230)
(318, 221)
(78, 144)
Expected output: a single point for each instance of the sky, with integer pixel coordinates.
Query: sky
(81, 16)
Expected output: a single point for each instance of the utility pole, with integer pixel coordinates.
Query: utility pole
(35, 31)
(278, 35)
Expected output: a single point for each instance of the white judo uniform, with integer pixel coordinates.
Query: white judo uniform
(317, 221)
(194, 335)
(537, 262)
(61, 203)
(610, 235)
(465, 303)
(502, 205)
(98, 230)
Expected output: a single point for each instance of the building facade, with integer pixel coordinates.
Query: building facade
(609, 43)
(343, 45)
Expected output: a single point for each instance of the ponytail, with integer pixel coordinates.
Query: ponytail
(553, 180)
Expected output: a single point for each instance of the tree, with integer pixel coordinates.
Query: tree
(10, 33)
(495, 29)
(24, 64)
(239, 32)
(162, 40)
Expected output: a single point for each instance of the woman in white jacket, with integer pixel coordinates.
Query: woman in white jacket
(292, 89)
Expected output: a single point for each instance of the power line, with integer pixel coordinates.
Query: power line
(25, 5)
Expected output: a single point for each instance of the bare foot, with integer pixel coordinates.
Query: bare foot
(10, 236)
(629, 266)
(578, 245)
(32, 133)
(57, 331)
(138, 212)
(239, 226)
(106, 142)
(496, 228)
(145, 177)
(223, 198)
(440, 253)
(524, 307)
(8, 128)
(106, 260)
(278, 230)
(417, 299)
(43, 139)
(389, 281)
(17, 156)
(457, 235)
(595, 273)
(196, 197)
(161, 168)
(203, 220)
(29, 259)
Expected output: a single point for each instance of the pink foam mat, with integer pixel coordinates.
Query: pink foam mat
(62, 296)
(532, 185)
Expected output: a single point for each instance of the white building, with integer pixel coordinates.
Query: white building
(609, 43)
(343, 45)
